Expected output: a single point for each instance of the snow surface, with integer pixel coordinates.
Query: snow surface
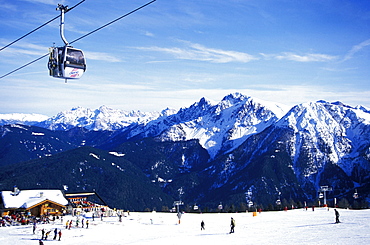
(284, 227)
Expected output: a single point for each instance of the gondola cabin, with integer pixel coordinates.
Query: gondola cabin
(66, 62)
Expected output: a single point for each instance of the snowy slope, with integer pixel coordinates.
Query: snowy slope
(291, 227)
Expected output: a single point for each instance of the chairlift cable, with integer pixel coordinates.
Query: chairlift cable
(29, 63)
(25, 35)
(125, 15)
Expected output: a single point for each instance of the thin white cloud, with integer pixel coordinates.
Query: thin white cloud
(199, 52)
(51, 2)
(300, 58)
(24, 48)
(8, 6)
(34, 50)
(356, 49)
(148, 34)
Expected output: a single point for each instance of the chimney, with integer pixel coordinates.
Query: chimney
(15, 191)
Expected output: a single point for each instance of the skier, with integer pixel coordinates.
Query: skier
(336, 216)
(55, 233)
(46, 235)
(42, 234)
(202, 225)
(87, 224)
(34, 227)
(60, 234)
(232, 225)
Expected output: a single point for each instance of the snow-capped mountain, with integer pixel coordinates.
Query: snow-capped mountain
(222, 126)
(218, 126)
(238, 149)
(328, 134)
(21, 118)
(313, 145)
(338, 132)
(103, 118)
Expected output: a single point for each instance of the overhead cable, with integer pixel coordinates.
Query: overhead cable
(125, 15)
(25, 35)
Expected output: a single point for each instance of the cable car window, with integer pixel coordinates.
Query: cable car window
(75, 57)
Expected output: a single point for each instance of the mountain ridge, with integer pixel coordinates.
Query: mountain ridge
(239, 146)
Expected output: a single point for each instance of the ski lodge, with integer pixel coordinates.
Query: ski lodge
(33, 202)
(50, 202)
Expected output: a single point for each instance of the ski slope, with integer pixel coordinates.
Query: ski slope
(284, 227)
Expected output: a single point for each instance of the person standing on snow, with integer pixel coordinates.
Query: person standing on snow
(34, 227)
(232, 225)
(202, 225)
(46, 235)
(336, 216)
(60, 234)
(42, 233)
(55, 233)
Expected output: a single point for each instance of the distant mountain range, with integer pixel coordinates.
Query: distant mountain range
(239, 150)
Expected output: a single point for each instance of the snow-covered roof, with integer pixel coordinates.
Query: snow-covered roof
(28, 198)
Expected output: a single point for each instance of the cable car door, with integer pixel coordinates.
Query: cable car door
(73, 65)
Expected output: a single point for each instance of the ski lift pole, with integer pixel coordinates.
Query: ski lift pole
(63, 9)
(177, 204)
(324, 189)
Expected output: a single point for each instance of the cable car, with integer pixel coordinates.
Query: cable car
(66, 62)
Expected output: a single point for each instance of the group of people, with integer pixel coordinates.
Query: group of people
(58, 233)
(45, 234)
(25, 219)
(69, 223)
(15, 219)
(232, 225)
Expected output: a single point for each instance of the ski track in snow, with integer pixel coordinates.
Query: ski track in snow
(290, 227)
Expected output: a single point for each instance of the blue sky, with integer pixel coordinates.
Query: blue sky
(174, 52)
